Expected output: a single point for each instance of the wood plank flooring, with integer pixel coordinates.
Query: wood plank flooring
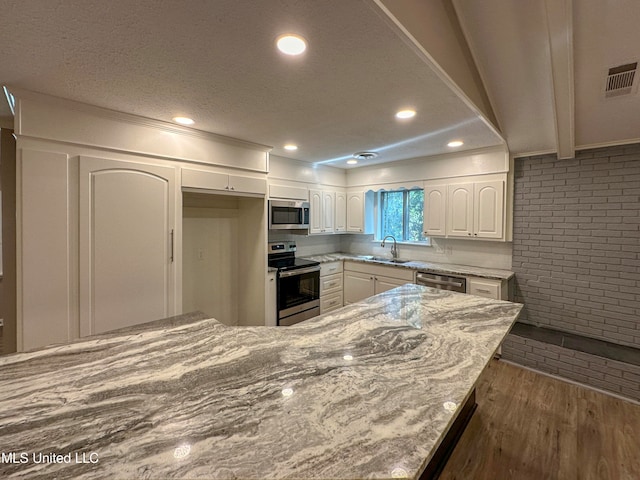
(532, 427)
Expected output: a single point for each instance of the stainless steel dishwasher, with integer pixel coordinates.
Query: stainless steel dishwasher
(442, 282)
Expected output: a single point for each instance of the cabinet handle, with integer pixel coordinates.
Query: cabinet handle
(227, 187)
(233, 188)
(475, 234)
(172, 245)
(333, 303)
(469, 233)
(333, 269)
(483, 290)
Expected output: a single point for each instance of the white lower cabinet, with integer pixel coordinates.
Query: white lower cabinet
(271, 304)
(331, 286)
(362, 280)
(487, 287)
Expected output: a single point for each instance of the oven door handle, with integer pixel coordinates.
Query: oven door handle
(299, 271)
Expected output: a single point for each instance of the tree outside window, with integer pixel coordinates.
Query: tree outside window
(401, 214)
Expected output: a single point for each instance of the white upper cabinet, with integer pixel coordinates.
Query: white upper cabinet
(322, 206)
(315, 211)
(476, 210)
(488, 209)
(202, 179)
(289, 192)
(328, 211)
(460, 211)
(341, 212)
(435, 202)
(355, 212)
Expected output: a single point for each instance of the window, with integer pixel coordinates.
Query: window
(400, 215)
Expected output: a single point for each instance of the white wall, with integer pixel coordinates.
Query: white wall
(311, 244)
(287, 170)
(480, 162)
(50, 118)
(210, 262)
(223, 257)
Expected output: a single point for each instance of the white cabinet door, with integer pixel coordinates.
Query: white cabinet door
(322, 211)
(328, 211)
(435, 203)
(488, 207)
(341, 212)
(460, 210)
(271, 313)
(242, 184)
(357, 286)
(127, 226)
(315, 211)
(476, 210)
(203, 179)
(488, 287)
(355, 212)
(382, 284)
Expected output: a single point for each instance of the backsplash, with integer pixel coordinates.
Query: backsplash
(475, 253)
(309, 244)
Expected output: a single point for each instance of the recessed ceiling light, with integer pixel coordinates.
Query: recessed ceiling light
(183, 120)
(353, 161)
(291, 147)
(291, 44)
(403, 114)
(455, 143)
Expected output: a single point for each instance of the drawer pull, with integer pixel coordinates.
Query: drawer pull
(483, 290)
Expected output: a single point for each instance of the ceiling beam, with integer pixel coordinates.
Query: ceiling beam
(560, 29)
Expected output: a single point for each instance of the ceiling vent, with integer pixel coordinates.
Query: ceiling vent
(365, 155)
(620, 80)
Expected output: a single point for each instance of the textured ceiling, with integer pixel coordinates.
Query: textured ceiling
(215, 61)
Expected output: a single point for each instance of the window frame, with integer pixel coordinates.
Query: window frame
(380, 199)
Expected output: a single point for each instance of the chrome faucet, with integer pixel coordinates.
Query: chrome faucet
(394, 249)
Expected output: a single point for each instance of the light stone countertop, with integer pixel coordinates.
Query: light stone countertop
(441, 268)
(366, 391)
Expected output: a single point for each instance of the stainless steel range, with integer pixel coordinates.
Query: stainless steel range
(298, 284)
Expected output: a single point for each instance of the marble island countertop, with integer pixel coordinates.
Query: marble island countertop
(443, 268)
(367, 391)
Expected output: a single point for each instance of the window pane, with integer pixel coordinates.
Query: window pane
(392, 214)
(416, 203)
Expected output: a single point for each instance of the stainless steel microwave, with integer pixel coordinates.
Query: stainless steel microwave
(288, 214)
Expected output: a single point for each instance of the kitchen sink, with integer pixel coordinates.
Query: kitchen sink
(389, 260)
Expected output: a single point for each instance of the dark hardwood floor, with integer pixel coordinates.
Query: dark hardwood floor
(532, 427)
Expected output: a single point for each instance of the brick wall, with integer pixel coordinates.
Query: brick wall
(618, 377)
(576, 255)
(576, 245)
